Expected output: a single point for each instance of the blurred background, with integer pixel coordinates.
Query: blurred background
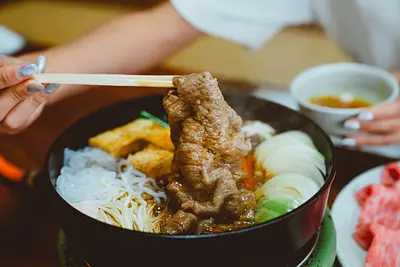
(53, 22)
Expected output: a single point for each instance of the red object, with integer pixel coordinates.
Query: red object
(385, 247)
(382, 207)
(368, 191)
(10, 171)
(391, 174)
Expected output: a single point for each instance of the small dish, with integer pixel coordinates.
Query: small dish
(365, 82)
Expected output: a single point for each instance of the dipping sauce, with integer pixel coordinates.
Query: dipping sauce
(340, 102)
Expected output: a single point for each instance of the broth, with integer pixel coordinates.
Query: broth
(337, 102)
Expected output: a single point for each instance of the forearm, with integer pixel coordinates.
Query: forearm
(129, 44)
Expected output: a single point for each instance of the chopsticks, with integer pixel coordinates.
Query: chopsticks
(107, 79)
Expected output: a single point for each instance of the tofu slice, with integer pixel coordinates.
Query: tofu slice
(152, 161)
(132, 137)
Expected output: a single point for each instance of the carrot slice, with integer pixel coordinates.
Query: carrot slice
(10, 171)
(247, 164)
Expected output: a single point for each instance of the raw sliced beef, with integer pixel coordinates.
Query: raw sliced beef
(391, 174)
(385, 247)
(389, 177)
(368, 191)
(381, 207)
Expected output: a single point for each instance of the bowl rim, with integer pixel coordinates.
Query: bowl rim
(329, 177)
(343, 66)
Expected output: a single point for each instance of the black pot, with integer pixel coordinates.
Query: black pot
(273, 243)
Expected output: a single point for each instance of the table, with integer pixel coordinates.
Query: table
(28, 231)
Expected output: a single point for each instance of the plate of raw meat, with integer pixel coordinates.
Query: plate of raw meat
(367, 219)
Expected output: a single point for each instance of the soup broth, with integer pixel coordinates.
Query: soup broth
(337, 102)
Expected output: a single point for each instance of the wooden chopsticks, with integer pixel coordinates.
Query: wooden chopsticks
(106, 79)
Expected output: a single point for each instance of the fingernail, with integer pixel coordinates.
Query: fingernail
(352, 125)
(34, 88)
(51, 88)
(27, 70)
(348, 142)
(41, 63)
(365, 116)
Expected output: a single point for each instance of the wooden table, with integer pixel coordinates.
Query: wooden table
(28, 233)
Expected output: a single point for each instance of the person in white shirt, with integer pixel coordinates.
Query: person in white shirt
(365, 29)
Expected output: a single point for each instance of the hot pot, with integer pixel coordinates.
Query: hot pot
(273, 243)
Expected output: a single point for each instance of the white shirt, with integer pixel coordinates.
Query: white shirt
(368, 30)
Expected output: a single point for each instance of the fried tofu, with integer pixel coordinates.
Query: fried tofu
(160, 137)
(132, 137)
(152, 161)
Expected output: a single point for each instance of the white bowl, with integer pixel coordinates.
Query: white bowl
(367, 82)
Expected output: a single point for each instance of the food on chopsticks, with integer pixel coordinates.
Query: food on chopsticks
(205, 171)
(378, 227)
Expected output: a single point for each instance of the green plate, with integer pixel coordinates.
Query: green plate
(323, 255)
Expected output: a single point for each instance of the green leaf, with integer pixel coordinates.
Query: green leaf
(145, 115)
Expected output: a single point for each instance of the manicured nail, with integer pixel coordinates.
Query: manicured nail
(51, 88)
(348, 142)
(365, 116)
(351, 125)
(34, 88)
(41, 63)
(27, 70)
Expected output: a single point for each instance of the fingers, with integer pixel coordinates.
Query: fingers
(371, 140)
(16, 94)
(25, 112)
(374, 126)
(18, 118)
(14, 74)
(23, 101)
(389, 110)
(41, 63)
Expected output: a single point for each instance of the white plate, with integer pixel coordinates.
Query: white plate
(345, 212)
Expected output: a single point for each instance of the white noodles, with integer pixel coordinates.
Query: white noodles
(110, 190)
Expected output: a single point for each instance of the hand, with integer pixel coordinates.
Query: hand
(22, 99)
(376, 126)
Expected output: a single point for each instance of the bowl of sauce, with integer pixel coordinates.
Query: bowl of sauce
(330, 94)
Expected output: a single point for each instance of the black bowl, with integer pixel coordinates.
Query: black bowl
(272, 243)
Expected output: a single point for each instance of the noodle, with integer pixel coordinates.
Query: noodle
(110, 190)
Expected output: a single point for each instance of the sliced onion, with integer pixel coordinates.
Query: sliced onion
(296, 185)
(312, 156)
(279, 141)
(294, 162)
(282, 194)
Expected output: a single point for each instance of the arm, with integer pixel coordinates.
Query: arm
(129, 44)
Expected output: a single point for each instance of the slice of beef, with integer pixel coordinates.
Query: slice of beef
(382, 208)
(385, 247)
(179, 223)
(391, 174)
(209, 147)
(368, 191)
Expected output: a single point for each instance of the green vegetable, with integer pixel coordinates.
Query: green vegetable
(272, 206)
(145, 115)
